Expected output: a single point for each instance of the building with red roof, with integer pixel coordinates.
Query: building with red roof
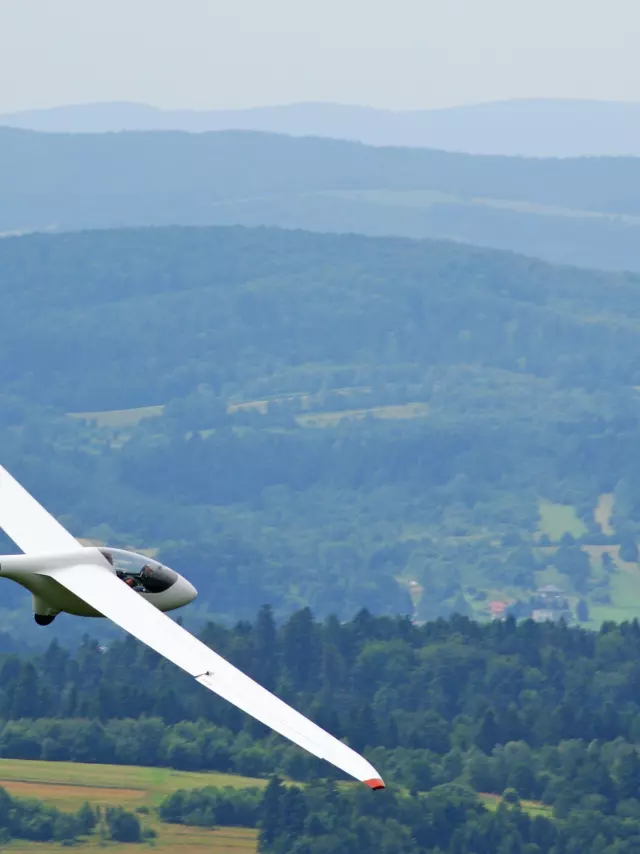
(497, 609)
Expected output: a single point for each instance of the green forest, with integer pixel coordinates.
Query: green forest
(449, 818)
(508, 736)
(338, 422)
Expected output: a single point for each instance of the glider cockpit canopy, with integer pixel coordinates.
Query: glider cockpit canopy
(140, 572)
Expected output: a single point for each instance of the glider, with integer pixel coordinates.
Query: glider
(134, 591)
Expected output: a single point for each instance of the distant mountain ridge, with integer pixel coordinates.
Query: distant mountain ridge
(531, 128)
(583, 211)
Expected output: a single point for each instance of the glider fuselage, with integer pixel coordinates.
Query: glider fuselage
(171, 592)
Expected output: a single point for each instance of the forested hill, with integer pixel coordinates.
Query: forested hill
(342, 422)
(172, 166)
(452, 714)
(170, 308)
(583, 211)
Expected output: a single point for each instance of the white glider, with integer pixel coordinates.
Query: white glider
(133, 591)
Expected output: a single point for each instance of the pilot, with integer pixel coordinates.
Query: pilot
(128, 580)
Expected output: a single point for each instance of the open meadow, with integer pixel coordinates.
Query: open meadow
(67, 785)
(172, 837)
(559, 519)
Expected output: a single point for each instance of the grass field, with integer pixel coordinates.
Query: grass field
(123, 418)
(625, 597)
(330, 419)
(172, 837)
(120, 417)
(424, 199)
(603, 512)
(534, 808)
(67, 785)
(558, 519)
(261, 406)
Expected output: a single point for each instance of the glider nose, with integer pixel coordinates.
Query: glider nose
(191, 591)
(186, 591)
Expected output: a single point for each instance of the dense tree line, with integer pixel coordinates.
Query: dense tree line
(565, 776)
(541, 681)
(529, 706)
(213, 806)
(449, 818)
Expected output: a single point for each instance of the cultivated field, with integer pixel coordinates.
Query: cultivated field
(67, 785)
(330, 419)
(171, 837)
(119, 417)
(123, 418)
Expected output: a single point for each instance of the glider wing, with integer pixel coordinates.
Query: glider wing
(32, 528)
(101, 589)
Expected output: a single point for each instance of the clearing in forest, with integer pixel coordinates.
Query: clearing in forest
(559, 519)
(603, 512)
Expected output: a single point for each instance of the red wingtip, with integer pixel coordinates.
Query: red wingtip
(375, 783)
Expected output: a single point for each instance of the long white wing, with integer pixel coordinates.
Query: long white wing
(30, 526)
(101, 589)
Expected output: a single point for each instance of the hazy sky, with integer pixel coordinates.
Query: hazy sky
(391, 53)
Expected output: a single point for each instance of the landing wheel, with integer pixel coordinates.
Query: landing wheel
(43, 619)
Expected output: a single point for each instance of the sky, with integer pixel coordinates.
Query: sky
(400, 54)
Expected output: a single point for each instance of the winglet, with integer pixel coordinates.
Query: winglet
(375, 783)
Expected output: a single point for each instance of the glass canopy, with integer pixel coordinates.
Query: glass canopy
(139, 572)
